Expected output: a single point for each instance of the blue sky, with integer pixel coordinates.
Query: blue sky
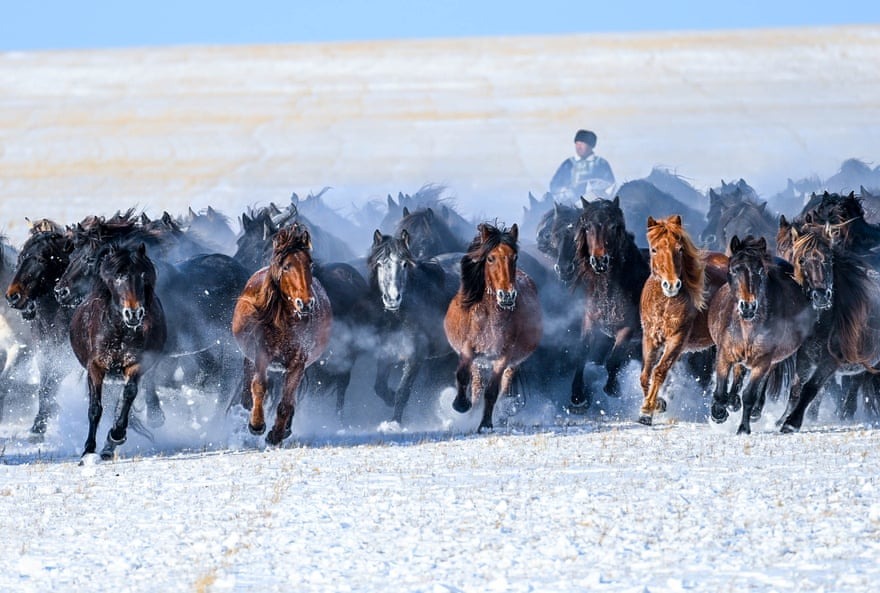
(77, 24)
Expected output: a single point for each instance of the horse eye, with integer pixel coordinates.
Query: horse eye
(653, 250)
(491, 259)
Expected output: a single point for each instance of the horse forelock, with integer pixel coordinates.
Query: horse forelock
(692, 260)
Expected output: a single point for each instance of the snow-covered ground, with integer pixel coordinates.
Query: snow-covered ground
(548, 502)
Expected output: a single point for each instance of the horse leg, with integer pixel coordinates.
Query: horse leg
(461, 403)
(848, 406)
(259, 379)
(795, 417)
(95, 386)
(734, 396)
(380, 386)
(286, 407)
(244, 392)
(491, 394)
(721, 396)
(579, 397)
(671, 352)
(411, 368)
(117, 435)
(753, 392)
(155, 415)
(620, 353)
(49, 379)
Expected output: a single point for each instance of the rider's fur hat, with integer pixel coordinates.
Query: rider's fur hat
(586, 136)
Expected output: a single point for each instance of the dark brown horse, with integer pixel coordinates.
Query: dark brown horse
(757, 320)
(673, 305)
(494, 319)
(846, 335)
(612, 271)
(118, 330)
(282, 320)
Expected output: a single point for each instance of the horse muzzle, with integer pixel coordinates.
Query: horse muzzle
(565, 272)
(747, 309)
(65, 297)
(670, 289)
(304, 308)
(599, 264)
(506, 298)
(133, 317)
(822, 299)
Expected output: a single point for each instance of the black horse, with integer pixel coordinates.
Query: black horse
(413, 296)
(43, 258)
(612, 271)
(119, 330)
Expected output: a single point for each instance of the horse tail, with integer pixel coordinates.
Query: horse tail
(135, 423)
(780, 378)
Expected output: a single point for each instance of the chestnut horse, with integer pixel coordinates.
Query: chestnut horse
(674, 305)
(118, 330)
(758, 319)
(494, 319)
(282, 320)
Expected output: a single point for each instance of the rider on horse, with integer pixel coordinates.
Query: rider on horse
(585, 174)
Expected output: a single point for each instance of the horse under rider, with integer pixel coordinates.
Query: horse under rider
(585, 174)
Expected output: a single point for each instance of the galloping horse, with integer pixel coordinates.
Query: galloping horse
(736, 211)
(555, 238)
(494, 318)
(43, 258)
(612, 271)
(118, 330)
(758, 319)
(673, 305)
(414, 295)
(14, 332)
(282, 320)
(846, 336)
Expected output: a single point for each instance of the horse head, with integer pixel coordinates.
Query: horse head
(747, 274)
(675, 260)
(556, 239)
(81, 273)
(390, 263)
(813, 260)
(41, 262)
(291, 268)
(601, 234)
(130, 278)
(500, 263)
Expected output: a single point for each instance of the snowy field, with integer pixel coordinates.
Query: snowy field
(548, 502)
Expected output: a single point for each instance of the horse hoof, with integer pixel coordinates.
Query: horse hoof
(719, 414)
(788, 429)
(734, 405)
(461, 405)
(577, 410)
(755, 415)
(486, 428)
(256, 430)
(88, 459)
(646, 419)
(743, 430)
(612, 389)
(114, 440)
(661, 405)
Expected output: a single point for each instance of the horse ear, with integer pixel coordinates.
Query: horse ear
(294, 199)
(676, 220)
(377, 237)
(713, 197)
(391, 204)
(267, 231)
(405, 211)
(430, 213)
(484, 232)
(532, 201)
(762, 244)
(762, 207)
(794, 234)
(783, 222)
(616, 201)
(142, 249)
(583, 203)
(404, 236)
(191, 213)
(651, 222)
(734, 244)
(307, 239)
(514, 232)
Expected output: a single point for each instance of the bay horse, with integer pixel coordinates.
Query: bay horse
(758, 319)
(43, 258)
(282, 321)
(846, 335)
(413, 296)
(494, 319)
(674, 305)
(612, 271)
(118, 330)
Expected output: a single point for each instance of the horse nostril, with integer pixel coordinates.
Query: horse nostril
(62, 292)
(13, 297)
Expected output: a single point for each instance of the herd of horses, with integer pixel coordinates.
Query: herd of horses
(757, 306)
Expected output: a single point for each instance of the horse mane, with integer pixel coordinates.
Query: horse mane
(852, 339)
(693, 264)
(426, 223)
(473, 264)
(270, 301)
